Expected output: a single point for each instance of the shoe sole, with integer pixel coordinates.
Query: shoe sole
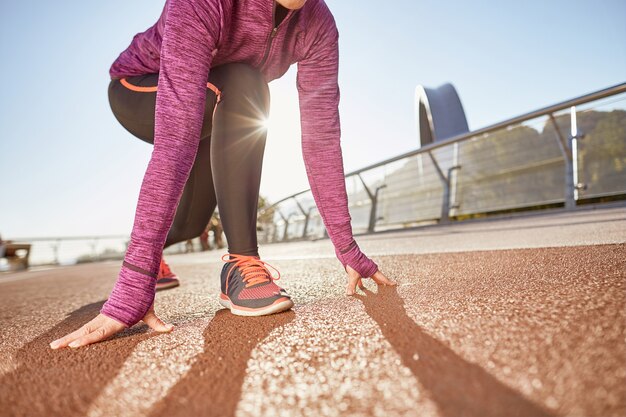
(278, 306)
(167, 286)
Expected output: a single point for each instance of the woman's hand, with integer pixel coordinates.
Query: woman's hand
(103, 327)
(354, 279)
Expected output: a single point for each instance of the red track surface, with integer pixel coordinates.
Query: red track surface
(516, 332)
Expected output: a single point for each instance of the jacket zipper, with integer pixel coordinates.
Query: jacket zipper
(272, 34)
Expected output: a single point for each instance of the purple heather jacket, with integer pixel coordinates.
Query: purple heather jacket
(191, 37)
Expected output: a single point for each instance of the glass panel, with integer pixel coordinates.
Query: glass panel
(413, 192)
(602, 148)
(518, 166)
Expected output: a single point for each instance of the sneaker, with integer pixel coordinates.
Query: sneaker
(248, 288)
(166, 278)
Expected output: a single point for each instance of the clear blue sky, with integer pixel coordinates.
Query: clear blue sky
(68, 167)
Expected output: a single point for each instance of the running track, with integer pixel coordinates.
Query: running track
(521, 316)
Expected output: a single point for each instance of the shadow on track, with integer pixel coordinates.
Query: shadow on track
(458, 387)
(64, 382)
(212, 387)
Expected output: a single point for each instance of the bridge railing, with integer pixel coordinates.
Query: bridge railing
(67, 250)
(70, 250)
(562, 154)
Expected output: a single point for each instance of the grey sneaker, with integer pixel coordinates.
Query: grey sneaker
(248, 288)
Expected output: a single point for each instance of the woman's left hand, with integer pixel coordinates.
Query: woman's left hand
(355, 279)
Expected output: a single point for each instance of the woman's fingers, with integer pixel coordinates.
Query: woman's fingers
(106, 330)
(380, 279)
(97, 329)
(354, 279)
(83, 331)
(155, 323)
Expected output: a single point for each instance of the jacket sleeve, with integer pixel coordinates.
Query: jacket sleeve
(190, 34)
(321, 147)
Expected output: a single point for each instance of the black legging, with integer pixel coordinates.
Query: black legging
(227, 169)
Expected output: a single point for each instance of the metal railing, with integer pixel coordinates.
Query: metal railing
(564, 153)
(559, 154)
(65, 250)
(71, 250)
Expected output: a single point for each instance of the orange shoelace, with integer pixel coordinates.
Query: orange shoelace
(253, 270)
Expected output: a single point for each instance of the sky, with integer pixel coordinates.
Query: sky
(68, 168)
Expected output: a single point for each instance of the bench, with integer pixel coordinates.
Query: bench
(16, 254)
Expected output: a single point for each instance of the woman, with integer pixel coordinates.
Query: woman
(214, 132)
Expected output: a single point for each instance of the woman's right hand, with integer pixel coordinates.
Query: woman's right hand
(102, 327)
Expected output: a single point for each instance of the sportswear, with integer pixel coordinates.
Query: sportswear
(189, 38)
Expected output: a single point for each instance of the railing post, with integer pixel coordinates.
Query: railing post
(374, 203)
(94, 250)
(285, 235)
(445, 204)
(576, 135)
(56, 251)
(286, 220)
(374, 211)
(453, 180)
(306, 216)
(308, 219)
(566, 151)
(452, 185)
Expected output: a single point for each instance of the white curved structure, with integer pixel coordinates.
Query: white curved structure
(439, 114)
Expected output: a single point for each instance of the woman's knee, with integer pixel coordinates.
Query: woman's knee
(133, 110)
